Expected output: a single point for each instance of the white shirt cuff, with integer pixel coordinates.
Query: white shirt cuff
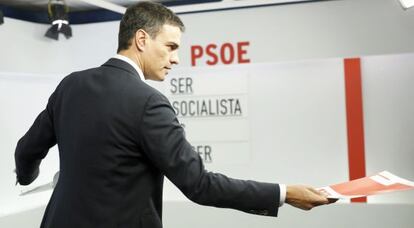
(282, 188)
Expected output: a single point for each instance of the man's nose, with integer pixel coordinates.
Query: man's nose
(174, 58)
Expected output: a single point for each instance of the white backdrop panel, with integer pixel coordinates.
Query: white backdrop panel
(388, 94)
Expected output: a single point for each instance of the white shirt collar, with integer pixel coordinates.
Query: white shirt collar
(128, 60)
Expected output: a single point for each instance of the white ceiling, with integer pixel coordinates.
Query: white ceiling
(81, 5)
(74, 5)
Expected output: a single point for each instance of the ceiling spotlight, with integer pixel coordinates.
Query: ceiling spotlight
(58, 16)
(1, 17)
(407, 3)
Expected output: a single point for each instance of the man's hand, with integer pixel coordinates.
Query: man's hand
(305, 197)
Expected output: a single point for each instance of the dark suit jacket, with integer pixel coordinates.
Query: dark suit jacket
(117, 139)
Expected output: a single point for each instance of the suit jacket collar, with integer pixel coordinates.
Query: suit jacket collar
(120, 64)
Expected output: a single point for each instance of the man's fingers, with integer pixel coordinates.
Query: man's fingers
(305, 197)
(319, 197)
(317, 192)
(332, 200)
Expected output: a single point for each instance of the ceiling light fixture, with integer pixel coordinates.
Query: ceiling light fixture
(1, 17)
(407, 3)
(58, 16)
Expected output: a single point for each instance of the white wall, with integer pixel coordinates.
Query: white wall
(276, 33)
(389, 117)
(180, 214)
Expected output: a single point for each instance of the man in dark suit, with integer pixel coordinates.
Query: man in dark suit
(118, 138)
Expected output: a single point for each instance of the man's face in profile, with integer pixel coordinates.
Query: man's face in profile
(162, 52)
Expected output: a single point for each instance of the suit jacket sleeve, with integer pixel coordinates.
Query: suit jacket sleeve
(163, 141)
(34, 145)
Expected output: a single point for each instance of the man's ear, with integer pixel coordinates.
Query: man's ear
(141, 39)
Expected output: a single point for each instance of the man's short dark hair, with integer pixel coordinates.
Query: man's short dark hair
(150, 17)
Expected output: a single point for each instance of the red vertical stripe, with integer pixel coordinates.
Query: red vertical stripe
(355, 120)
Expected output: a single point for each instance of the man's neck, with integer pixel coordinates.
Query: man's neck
(135, 60)
(134, 56)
